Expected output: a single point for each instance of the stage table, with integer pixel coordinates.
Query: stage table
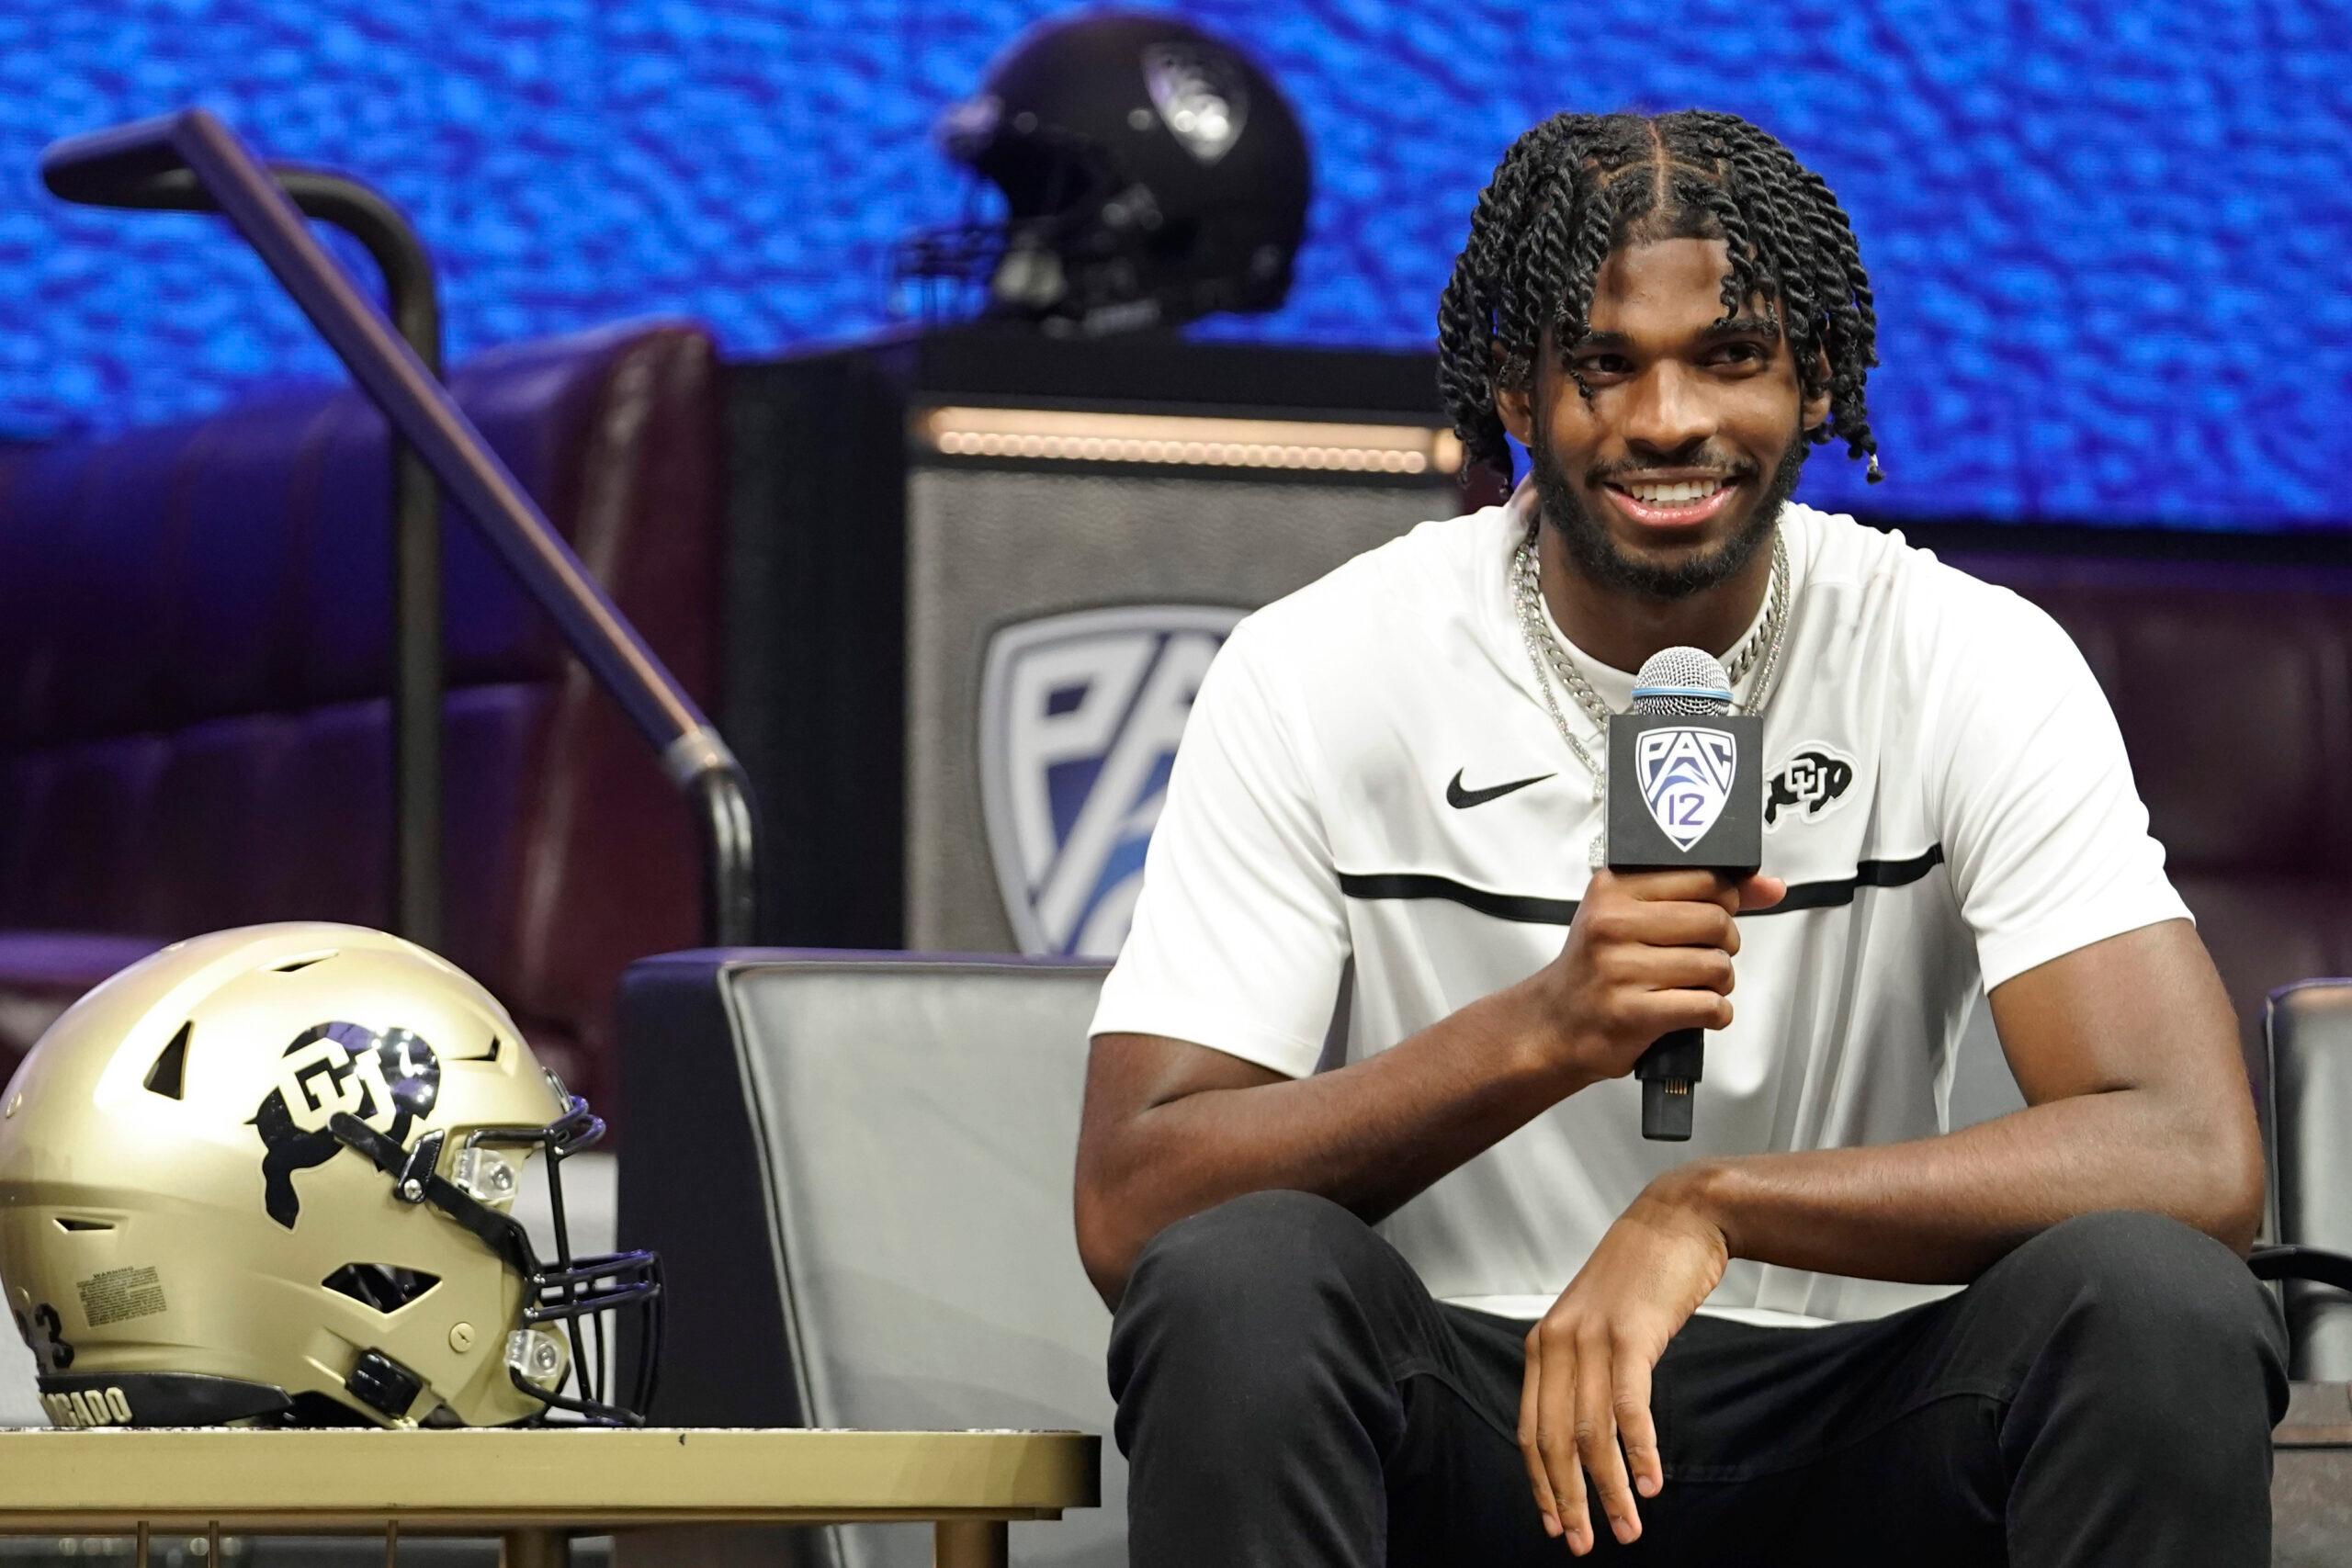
(536, 1489)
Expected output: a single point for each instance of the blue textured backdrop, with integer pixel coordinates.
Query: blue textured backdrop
(2110, 241)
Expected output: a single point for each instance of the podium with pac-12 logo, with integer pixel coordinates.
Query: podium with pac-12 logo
(975, 576)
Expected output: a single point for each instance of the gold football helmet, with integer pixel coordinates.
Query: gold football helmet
(267, 1176)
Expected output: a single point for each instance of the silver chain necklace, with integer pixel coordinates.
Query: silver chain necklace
(1551, 660)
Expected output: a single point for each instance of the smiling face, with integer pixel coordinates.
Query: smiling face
(1667, 481)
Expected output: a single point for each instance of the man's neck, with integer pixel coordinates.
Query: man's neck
(1623, 629)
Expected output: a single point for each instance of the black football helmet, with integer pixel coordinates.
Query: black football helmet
(1151, 174)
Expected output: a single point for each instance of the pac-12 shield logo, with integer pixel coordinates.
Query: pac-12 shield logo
(1685, 773)
(1080, 716)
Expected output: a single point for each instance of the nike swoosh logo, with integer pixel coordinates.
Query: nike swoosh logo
(1463, 799)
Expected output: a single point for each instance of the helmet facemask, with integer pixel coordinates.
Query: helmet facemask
(548, 1358)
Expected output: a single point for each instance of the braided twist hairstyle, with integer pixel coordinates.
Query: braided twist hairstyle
(1577, 185)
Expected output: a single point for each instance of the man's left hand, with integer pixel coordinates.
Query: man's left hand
(1588, 1362)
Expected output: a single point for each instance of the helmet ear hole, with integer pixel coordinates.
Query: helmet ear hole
(168, 1076)
(383, 1286)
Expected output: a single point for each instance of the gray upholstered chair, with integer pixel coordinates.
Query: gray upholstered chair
(857, 1170)
(2308, 1028)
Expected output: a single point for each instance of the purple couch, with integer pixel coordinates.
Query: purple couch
(194, 731)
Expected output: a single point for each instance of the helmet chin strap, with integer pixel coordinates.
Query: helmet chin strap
(415, 1182)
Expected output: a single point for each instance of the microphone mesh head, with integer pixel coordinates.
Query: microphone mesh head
(1682, 681)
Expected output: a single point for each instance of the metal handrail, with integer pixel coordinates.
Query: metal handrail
(89, 167)
(414, 305)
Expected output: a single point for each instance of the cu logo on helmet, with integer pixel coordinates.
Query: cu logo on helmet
(322, 1076)
(389, 1081)
(1200, 95)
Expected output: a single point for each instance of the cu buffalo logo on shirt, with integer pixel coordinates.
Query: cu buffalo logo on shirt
(1810, 786)
(1080, 716)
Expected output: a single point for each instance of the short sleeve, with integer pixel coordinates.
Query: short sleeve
(1239, 934)
(2032, 794)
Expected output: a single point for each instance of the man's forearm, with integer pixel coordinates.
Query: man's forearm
(1173, 1128)
(1368, 1136)
(1938, 1210)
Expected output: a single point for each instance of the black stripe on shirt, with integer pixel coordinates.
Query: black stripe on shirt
(1867, 874)
(1502, 906)
(1530, 910)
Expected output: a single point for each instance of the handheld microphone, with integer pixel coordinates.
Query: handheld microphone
(1686, 788)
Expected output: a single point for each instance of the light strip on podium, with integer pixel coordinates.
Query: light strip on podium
(1183, 441)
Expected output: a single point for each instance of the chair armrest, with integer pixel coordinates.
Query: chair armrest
(2308, 1030)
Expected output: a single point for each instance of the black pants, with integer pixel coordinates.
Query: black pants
(1290, 1393)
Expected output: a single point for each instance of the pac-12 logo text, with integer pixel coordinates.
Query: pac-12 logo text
(1811, 785)
(1080, 716)
(1685, 772)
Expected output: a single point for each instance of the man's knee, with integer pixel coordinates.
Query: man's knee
(1252, 1295)
(1263, 1254)
(2146, 1276)
(2146, 1307)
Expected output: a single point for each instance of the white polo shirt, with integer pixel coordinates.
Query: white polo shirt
(1951, 805)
